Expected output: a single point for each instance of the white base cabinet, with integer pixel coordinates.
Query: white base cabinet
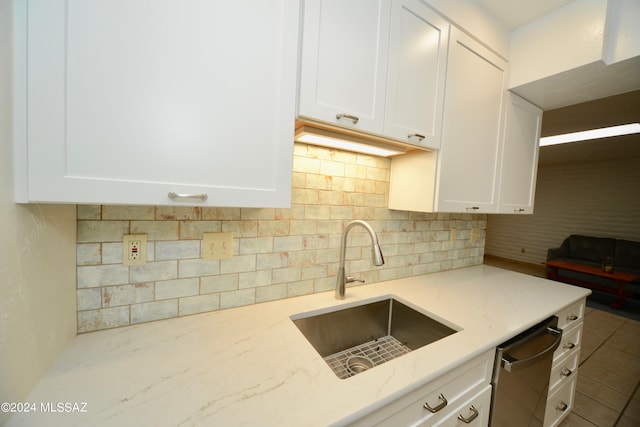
(127, 102)
(564, 369)
(465, 392)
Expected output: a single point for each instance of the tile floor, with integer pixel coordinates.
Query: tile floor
(608, 390)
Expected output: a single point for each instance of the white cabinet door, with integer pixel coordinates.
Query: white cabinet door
(471, 132)
(344, 62)
(416, 73)
(128, 101)
(519, 164)
(463, 175)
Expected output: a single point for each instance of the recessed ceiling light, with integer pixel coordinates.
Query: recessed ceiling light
(591, 134)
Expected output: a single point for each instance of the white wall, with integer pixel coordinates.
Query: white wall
(599, 199)
(569, 38)
(37, 264)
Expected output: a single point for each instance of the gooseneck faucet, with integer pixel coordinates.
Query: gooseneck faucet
(378, 260)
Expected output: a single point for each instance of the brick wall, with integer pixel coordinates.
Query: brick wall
(278, 253)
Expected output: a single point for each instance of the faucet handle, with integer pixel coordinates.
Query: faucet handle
(350, 279)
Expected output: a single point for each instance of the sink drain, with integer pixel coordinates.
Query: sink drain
(357, 364)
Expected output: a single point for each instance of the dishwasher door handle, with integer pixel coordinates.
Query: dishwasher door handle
(511, 363)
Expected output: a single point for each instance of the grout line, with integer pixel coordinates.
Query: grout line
(601, 344)
(621, 414)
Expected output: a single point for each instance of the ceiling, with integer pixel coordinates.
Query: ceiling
(582, 112)
(516, 13)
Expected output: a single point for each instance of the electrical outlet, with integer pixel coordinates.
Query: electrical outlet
(134, 249)
(217, 245)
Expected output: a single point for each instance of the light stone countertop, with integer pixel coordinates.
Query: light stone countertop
(251, 366)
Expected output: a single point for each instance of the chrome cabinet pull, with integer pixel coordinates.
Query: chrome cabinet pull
(416, 135)
(572, 317)
(566, 372)
(562, 406)
(441, 405)
(173, 196)
(519, 210)
(354, 119)
(473, 208)
(568, 345)
(473, 416)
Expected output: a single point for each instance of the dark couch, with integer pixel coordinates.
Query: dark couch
(588, 250)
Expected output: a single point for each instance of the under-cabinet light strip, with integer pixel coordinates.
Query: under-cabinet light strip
(329, 139)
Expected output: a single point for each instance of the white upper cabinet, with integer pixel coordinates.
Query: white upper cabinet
(129, 101)
(343, 71)
(471, 132)
(463, 175)
(519, 163)
(375, 66)
(416, 74)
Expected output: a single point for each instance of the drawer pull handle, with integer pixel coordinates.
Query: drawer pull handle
(572, 317)
(473, 416)
(519, 210)
(441, 405)
(566, 372)
(354, 119)
(416, 135)
(473, 208)
(562, 406)
(568, 345)
(174, 196)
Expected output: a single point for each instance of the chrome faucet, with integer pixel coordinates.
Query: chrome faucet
(378, 260)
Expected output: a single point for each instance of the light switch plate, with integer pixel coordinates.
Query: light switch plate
(134, 249)
(217, 245)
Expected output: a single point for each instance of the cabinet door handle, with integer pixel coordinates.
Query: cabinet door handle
(519, 210)
(473, 416)
(473, 208)
(416, 135)
(568, 345)
(566, 372)
(354, 119)
(562, 406)
(174, 196)
(441, 405)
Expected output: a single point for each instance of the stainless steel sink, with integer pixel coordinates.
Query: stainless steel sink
(354, 339)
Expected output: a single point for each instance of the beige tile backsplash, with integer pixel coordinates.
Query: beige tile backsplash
(278, 253)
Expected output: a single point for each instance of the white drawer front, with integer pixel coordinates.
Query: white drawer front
(571, 315)
(564, 370)
(559, 404)
(571, 339)
(454, 387)
(474, 412)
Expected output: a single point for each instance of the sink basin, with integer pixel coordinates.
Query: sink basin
(356, 338)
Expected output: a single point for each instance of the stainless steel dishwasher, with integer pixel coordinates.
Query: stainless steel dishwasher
(521, 376)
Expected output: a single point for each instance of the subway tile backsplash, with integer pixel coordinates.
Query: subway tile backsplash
(277, 253)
